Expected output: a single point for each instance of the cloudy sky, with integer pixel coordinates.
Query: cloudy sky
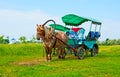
(19, 17)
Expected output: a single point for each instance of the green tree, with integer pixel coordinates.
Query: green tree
(33, 39)
(118, 41)
(107, 41)
(110, 42)
(22, 39)
(1, 39)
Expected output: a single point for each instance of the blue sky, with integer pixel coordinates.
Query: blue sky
(19, 17)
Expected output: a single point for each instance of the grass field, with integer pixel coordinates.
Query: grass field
(28, 60)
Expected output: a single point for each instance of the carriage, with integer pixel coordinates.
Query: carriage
(77, 41)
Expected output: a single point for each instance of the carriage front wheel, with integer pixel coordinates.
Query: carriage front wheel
(80, 53)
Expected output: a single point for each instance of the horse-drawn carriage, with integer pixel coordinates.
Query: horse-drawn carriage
(77, 41)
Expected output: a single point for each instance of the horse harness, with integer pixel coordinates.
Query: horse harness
(55, 41)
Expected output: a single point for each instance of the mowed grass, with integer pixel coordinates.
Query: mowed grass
(28, 60)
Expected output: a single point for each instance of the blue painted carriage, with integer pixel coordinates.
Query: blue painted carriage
(77, 41)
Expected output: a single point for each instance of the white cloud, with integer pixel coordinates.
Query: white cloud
(16, 23)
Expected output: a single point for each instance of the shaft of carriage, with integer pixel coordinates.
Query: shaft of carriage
(78, 52)
(65, 43)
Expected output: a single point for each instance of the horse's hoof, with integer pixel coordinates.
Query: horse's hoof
(59, 57)
(63, 57)
(48, 60)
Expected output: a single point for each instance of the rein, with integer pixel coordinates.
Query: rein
(55, 42)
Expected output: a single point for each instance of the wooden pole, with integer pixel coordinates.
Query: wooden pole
(65, 43)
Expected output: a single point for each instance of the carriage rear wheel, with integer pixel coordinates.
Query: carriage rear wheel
(94, 51)
(80, 53)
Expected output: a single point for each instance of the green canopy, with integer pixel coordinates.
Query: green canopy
(75, 20)
(59, 27)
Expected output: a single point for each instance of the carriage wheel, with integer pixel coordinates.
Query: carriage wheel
(80, 53)
(94, 51)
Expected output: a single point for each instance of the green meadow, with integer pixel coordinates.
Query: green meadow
(28, 60)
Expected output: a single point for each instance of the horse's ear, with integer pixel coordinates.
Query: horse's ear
(51, 29)
(37, 25)
(43, 26)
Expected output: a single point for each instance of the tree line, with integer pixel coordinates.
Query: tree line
(4, 41)
(23, 39)
(109, 42)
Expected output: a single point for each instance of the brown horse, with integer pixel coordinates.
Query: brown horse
(49, 41)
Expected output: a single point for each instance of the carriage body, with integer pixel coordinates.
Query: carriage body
(76, 37)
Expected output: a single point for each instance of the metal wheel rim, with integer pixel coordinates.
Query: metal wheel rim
(80, 53)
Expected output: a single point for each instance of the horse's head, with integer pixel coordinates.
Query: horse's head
(40, 32)
(43, 32)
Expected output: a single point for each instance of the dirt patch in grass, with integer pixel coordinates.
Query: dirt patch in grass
(29, 62)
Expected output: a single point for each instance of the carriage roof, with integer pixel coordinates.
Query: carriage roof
(74, 20)
(59, 27)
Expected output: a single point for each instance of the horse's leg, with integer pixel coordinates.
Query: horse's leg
(50, 54)
(46, 55)
(59, 53)
(46, 49)
(63, 53)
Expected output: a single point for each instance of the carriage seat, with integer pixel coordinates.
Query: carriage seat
(97, 34)
(80, 33)
(71, 34)
(93, 35)
(76, 33)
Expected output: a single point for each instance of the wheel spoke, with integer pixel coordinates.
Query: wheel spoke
(80, 53)
(94, 51)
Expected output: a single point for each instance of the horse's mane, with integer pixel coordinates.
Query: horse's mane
(48, 31)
